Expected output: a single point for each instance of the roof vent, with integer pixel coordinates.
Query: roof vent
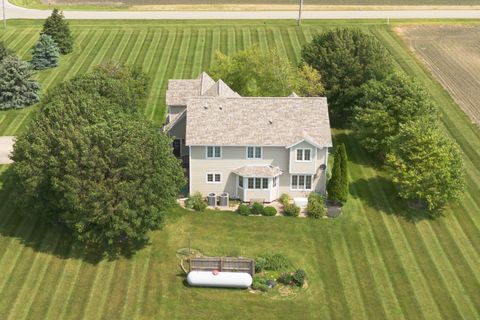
(270, 121)
(220, 108)
(205, 107)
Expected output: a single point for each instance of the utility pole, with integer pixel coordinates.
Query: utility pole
(300, 9)
(4, 15)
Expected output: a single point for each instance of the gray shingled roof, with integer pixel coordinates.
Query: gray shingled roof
(258, 171)
(260, 121)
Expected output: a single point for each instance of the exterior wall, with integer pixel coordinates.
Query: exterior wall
(178, 132)
(235, 157)
(305, 167)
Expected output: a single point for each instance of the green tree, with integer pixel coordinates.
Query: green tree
(255, 72)
(334, 186)
(427, 167)
(45, 53)
(309, 82)
(346, 59)
(17, 89)
(96, 166)
(342, 153)
(385, 105)
(56, 27)
(4, 51)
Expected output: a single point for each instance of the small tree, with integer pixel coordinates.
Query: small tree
(56, 27)
(346, 59)
(309, 82)
(4, 51)
(427, 167)
(17, 89)
(45, 53)
(344, 176)
(334, 186)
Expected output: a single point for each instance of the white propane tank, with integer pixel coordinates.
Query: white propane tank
(219, 279)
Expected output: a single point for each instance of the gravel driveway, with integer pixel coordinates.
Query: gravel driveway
(6, 147)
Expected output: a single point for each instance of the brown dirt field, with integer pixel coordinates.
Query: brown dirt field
(452, 53)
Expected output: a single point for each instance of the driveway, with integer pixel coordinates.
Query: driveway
(14, 12)
(6, 147)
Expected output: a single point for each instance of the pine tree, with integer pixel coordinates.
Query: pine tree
(4, 51)
(45, 53)
(342, 152)
(17, 89)
(335, 183)
(56, 27)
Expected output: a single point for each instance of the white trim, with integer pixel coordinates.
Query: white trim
(213, 158)
(305, 182)
(304, 140)
(213, 176)
(189, 170)
(254, 153)
(303, 154)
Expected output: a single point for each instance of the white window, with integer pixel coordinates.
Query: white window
(257, 183)
(301, 182)
(214, 152)
(254, 152)
(214, 177)
(304, 154)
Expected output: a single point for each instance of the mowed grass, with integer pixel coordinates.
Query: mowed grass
(371, 263)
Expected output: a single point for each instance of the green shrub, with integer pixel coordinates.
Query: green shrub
(291, 210)
(269, 211)
(285, 278)
(257, 208)
(196, 202)
(243, 210)
(275, 261)
(316, 206)
(260, 264)
(260, 283)
(284, 199)
(298, 277)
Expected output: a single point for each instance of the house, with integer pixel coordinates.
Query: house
(253, 148)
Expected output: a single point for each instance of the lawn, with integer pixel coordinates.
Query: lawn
(371, 263)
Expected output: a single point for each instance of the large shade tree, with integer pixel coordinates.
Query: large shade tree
(427, 166)
(56, 27)
(17, 88)
(45, 53)
(93, 163)
(346, 59)
(385, 105)
(256, 72)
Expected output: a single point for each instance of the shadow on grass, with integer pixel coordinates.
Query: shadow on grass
(351, 141)
(379, 193)
(45, 237)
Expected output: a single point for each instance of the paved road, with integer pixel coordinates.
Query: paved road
(6, 147)
(14, 12)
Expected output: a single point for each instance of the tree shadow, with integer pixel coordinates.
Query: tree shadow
(55, 239)
(380, 193)
(351, 142)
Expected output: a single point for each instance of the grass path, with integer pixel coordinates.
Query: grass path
(369, 263)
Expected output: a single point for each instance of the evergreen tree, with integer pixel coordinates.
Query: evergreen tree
(45, 53)
(17, 89)
(56, 27)
(342, 152)
(4, 51)
(334, 186)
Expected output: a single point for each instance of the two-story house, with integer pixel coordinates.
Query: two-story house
(250, 147)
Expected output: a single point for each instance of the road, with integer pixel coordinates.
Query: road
(14, 12)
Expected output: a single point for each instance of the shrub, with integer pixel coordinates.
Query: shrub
(260, 283)
(284, 199)
(285, 278)
(196, 202)
(269, 211)
(243, 210)
(274, 261)
(260, 264)
(291, 210)
(298, 277)
(316, 206)
(257, 208)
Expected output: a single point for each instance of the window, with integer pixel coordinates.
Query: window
(304, 154)
(301, 182)
(240, 182)
(257, 183)
(214, 152)
(254, 152)
(214, 178)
